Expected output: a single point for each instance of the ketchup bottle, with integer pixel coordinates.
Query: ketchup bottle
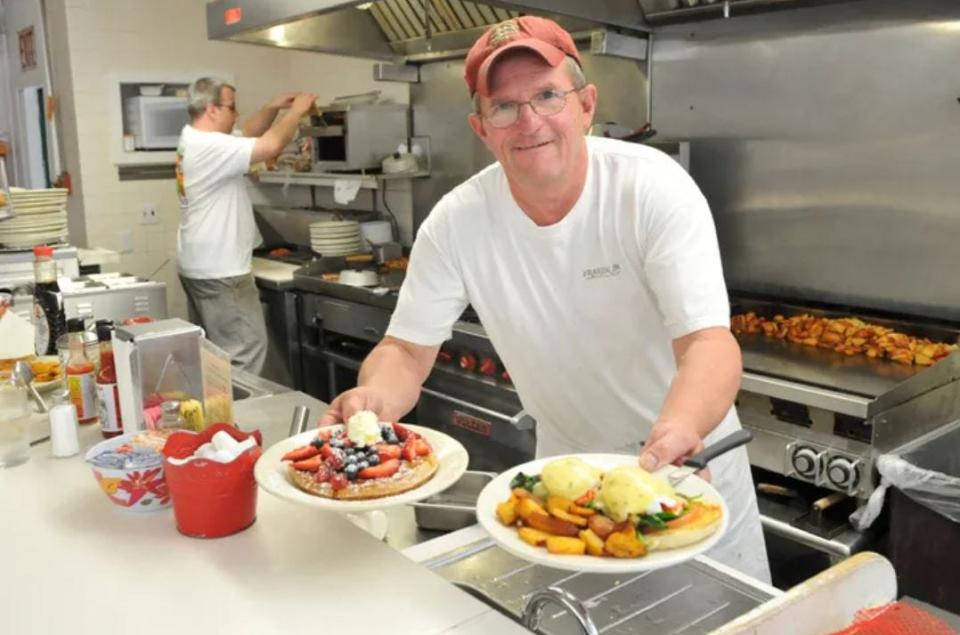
(80, 374)
(108, 397)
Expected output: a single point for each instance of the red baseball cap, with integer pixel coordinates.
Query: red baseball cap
(544, 37)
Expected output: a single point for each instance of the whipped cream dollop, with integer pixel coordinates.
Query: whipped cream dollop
(363, 428)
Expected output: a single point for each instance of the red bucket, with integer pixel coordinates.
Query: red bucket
(211, 499)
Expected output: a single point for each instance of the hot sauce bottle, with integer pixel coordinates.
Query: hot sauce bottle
(108, 397)
(80, 375)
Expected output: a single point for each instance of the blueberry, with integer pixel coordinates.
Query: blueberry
(373, 459)
(363, 465)
(350, 471)
(336, 443)
(351, 458)
(317, 443)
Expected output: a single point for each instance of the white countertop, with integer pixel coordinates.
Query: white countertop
(74, 562)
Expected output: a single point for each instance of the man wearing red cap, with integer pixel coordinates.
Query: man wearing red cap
(594, 267)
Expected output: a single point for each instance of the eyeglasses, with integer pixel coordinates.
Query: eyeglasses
(546, 104)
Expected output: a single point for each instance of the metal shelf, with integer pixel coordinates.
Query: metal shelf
(321, 179)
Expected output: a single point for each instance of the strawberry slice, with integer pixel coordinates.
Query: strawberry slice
(385, 469)
(332, 456)
(421, 447)
(338, 481)
(402, 432)
(409, 451)
(324, 473)
(309, 465)
(301, 454)
(388, 451)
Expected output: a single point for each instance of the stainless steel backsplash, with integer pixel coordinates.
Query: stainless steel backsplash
(827, 141)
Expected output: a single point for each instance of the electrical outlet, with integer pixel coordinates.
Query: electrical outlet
(149, 214)
(126, 241)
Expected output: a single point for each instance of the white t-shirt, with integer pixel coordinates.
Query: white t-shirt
(583, 312)
(217, 231)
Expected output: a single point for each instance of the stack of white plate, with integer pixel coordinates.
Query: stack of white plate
(336, 237)
(41, 218)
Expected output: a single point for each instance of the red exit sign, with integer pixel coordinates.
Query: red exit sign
(232, 15)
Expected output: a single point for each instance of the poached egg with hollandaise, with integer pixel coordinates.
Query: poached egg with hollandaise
(630, 489)
(570, 477)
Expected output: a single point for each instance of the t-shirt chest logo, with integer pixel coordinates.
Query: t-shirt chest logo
(609, 271)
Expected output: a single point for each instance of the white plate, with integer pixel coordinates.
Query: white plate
(498, 490)
(335, 223)
(343, 236)
(336, 245)
(271, 474)
(46, 386)
(32, 228)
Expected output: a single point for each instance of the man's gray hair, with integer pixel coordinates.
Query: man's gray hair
(205, 90)
(573, 70)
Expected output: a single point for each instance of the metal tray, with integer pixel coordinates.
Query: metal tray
(455, 507)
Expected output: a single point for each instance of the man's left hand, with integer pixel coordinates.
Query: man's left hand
(282, 101)
(671, 442)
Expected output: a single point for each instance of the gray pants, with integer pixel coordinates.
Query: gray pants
(229, 311)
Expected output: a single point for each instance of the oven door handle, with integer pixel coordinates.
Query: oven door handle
(521, 421)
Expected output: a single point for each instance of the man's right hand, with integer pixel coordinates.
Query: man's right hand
(349, 403)
(303, 102)
(282, 100)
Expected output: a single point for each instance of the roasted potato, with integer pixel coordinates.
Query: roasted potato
(624, 544)
(532, 536)
(601, 525)
(579, 521)
(558, 503)
(582, 511)
(593, 541)
(566, 546)
(507, 511)
(551, 525)
(528, 506)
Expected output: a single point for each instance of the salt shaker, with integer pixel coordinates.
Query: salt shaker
(64, 441)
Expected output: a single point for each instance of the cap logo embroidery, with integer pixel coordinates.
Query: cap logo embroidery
(503, 33)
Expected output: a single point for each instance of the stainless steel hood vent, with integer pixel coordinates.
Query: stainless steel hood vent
(399, 30)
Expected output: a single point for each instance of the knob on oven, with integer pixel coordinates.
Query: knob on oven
(843, 472)
(468, 361)
(805, 461)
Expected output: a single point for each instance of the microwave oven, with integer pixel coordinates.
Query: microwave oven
(155, 122)
(357, 136)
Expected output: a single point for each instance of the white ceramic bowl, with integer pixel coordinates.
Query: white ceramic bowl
(362, 278)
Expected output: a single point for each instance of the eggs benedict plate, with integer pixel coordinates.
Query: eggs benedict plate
(600, 513)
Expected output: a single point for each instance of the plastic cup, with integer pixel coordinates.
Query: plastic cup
(15, 412)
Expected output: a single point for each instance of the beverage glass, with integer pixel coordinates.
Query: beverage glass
(15, 412)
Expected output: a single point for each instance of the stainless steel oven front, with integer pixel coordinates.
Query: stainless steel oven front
(485, 415)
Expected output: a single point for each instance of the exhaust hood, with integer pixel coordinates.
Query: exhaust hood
(415, 30)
